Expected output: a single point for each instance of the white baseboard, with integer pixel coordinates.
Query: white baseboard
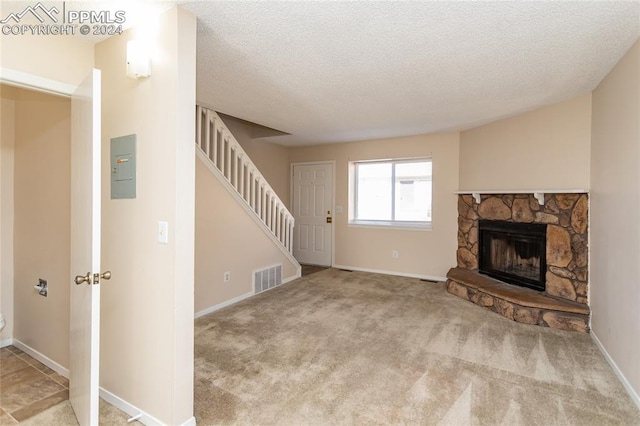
(630, 390)
(130, 409)
(63, 371)
(6, 342)
(109, 397)
(293, 277)
(223, 304)
(399, 274)
(241, 298)
(190, 422)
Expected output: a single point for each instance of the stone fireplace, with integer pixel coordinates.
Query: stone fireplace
(525, 260)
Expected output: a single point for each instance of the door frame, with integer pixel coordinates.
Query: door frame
(25, 80)
(333, 197)
(36, 83)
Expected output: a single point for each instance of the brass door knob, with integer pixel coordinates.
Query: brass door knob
(83, 279)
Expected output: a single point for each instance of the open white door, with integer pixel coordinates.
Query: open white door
(85, 250)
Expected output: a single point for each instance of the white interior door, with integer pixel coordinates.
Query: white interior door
(313, 213)
(85, 250)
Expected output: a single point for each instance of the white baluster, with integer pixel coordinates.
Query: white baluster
(266, 207)
(216, 142)
(211, 126)
(239, 173)
(278, 224)
(226, 155)
(267, 201)
(199, 126)
(222, 150)
(258, 196)
(247, 183)
(268, 218)
(274, 214)
(284, 227)
(252, 193)
(290, 238)
(275, 217)
(233, 165)
(242, 171)
(229, 160)
(207, 132)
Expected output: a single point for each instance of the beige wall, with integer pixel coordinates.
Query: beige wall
(422, 253)
(42, 222)
(548, 148)
(7, 137)
(147, 306)
(57, 63)
(615, 215)
(66, 59)
(271, 159)
(227, 239)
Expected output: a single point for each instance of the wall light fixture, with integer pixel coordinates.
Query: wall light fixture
(138, 60)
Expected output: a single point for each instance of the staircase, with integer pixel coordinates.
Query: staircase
(224, 156)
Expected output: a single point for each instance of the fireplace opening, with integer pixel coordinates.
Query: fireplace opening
(513, 252)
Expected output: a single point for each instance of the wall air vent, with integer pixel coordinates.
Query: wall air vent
(267, 278)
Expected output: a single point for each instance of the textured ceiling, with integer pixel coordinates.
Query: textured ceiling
(335, 71)
(339, 71)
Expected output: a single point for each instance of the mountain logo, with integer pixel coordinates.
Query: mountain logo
(38, 11)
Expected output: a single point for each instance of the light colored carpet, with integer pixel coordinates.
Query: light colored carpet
(341, 347)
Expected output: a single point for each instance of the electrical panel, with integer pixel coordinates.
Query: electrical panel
(123, 167)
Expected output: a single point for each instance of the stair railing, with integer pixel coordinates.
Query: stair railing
(224, 152)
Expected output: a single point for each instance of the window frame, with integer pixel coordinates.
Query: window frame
(395, 224)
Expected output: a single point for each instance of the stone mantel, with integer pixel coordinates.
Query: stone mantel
(537, 193)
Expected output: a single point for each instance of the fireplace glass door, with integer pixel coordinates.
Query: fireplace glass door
(513, 252)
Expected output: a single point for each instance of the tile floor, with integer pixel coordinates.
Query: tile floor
(27, 387)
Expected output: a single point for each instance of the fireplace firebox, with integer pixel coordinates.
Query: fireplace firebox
(513, 252)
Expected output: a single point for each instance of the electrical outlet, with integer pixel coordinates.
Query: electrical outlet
(227, 277)
(395, 254)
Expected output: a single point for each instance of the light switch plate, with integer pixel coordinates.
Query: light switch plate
(163, 232)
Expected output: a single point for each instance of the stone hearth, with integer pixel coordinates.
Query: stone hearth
(564, 304)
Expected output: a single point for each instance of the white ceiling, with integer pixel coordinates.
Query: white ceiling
(333, 71)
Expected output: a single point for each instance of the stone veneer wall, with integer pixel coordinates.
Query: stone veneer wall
(567, 235)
